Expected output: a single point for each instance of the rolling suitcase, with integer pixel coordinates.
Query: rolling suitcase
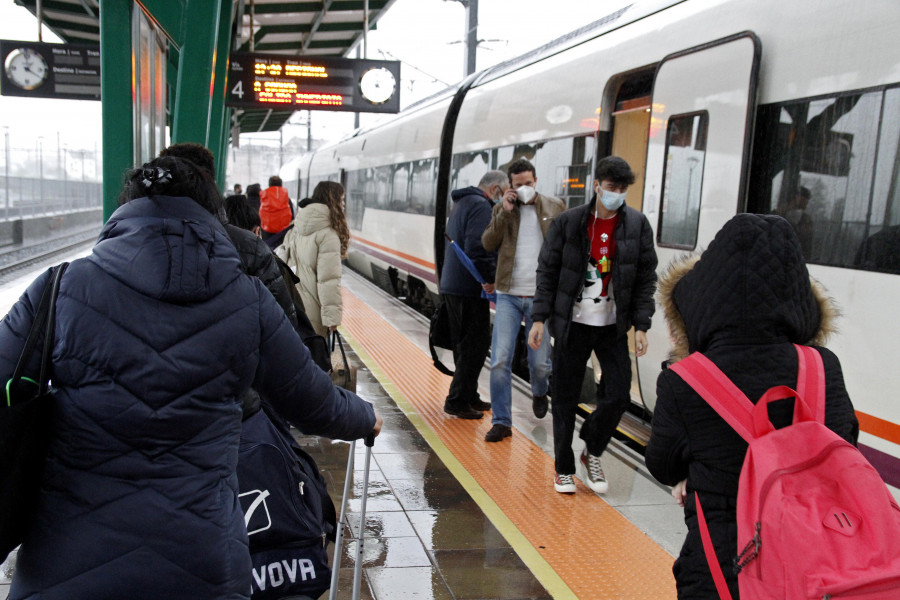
(342, 521)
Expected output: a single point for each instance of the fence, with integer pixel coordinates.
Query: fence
(40, 181)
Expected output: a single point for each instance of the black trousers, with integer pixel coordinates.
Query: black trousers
(470, 320)
(569, 360)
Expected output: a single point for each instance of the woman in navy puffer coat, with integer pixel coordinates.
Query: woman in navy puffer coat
(158, 332)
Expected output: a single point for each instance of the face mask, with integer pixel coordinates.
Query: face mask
(611, 200)
(525, 194)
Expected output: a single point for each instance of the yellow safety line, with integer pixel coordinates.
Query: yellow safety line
(541, 569)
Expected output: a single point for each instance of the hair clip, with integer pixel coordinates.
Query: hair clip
(155, 176)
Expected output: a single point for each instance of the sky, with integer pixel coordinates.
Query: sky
(426, 35)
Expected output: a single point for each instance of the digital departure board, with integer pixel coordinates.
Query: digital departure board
(38, 70)
(284, 82)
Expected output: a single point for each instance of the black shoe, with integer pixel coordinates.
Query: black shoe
(463, 413)
(539, 405)
(497, 433)
(481, 405)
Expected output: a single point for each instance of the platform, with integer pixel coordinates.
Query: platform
(484, 519)
(450, 516)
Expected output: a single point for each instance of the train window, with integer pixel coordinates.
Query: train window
(355, 195)
(881, 249)
(380, 185)
(399, 188)
(468, 169)
(571, 183)
(422, 190)
(682, 180)
(814, 164)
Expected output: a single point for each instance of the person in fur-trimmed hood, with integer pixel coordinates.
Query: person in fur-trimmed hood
(743, 303)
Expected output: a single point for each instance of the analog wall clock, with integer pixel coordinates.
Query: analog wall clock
(26, 68)
(377, 85)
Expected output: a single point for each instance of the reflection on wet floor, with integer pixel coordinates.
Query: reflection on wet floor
(425, 538)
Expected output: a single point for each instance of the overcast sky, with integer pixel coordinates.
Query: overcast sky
(425, 34)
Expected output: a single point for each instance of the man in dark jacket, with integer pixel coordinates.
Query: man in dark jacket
(470, 314)
(595, 280)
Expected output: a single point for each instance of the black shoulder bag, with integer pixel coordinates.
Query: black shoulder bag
(25, 425)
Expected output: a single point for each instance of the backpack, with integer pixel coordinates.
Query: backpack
(287, 510)
(814, 518)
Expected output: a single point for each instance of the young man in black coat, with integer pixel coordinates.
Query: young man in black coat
(470, 314)
(595, 280)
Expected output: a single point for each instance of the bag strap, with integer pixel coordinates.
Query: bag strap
(437, 361)
(45, 312)
(719, 392)
(336, 337)
(811, 380)
(711, 559)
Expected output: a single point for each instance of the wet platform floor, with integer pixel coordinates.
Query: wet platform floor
(450, 516)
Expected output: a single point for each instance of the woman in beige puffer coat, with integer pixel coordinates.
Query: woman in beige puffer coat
(314, 248)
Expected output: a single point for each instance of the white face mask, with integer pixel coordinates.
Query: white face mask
(525, 193)
(611, 200)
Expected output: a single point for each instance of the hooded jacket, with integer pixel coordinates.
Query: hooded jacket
(563, 263)
(257, 260)
(275, 211)
(468, 220)
(158, 333)
(313, 249)
(502, 234)
(743, 304)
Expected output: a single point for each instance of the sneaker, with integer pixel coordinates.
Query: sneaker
(497, 433)
(481, 405)
(463, 413)
(539, 405)
(564, 484)
(596, 480)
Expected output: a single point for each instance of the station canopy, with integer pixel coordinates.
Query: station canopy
(311, 28)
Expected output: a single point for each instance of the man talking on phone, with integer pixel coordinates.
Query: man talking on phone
(516, 231)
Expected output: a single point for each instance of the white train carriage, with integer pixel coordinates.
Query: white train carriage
(720, 106)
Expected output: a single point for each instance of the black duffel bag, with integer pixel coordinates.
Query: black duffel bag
(287, 510)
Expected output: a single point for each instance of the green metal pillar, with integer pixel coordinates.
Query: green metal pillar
(117, 103)
(196, 73)
(218, 126)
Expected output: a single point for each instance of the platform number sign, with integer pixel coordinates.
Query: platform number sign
(323, 83)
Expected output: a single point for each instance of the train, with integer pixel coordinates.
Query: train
(720, 106)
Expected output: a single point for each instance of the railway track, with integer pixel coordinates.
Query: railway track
(14, 263)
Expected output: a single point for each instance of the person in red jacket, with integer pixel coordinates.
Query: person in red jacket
(275, 210)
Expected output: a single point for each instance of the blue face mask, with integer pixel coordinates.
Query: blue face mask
(611, 200)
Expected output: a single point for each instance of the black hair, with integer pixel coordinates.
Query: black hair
(275, 181)
(196, 153)
(520, 166)
(253, 190)
(615, 169)
(172, 176)
(239, 213)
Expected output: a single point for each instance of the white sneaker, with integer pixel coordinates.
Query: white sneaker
(596, 479)
(564, 484)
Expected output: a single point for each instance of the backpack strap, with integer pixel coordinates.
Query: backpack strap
(811, 380)
(719, 392)
(709, 550)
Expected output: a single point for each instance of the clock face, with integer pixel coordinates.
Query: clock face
(26, 68)
(377, 85)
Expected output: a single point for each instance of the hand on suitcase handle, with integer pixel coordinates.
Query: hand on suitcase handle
(370, 438)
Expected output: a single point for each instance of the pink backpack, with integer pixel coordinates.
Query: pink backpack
(814, 518)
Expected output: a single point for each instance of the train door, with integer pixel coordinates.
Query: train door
(698, 151)
(630, 129)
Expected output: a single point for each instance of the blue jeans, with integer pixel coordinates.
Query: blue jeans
(507, 321)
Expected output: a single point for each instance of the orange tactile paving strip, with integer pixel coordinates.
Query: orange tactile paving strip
(596, 551)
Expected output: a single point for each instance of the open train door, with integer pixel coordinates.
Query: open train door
(698, 155)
